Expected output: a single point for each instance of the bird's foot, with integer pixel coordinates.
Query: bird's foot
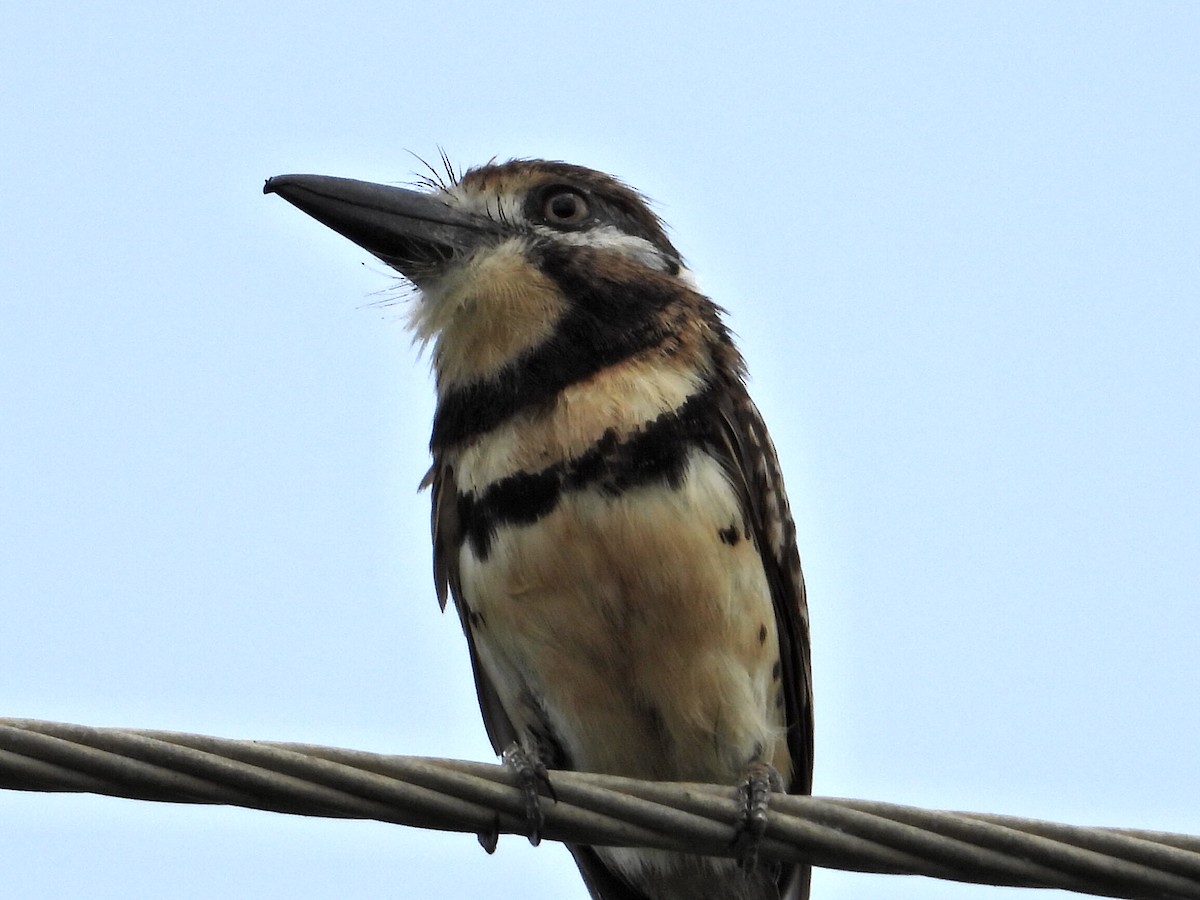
(755, 793)
(531, 774)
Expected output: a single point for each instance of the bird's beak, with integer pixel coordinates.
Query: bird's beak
(413, 232)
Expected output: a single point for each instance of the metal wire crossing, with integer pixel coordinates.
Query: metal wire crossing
(450, 795)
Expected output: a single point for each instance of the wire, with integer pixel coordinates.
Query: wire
(451, 795)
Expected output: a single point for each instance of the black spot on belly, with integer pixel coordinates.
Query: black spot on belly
(775, 670)
(656, 721)
(762, 635)
(729, 535)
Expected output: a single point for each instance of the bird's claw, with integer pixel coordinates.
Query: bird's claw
(530, 772)
(755, 793)
(491, 837)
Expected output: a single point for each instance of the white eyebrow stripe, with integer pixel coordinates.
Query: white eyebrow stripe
(609, 237)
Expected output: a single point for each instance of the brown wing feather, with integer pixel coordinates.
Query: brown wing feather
(753, 467)
(447, 541)
(754, 470)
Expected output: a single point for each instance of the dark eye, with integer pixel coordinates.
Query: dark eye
(565, 206)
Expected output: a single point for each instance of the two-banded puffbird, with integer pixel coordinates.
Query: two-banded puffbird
(608, 511)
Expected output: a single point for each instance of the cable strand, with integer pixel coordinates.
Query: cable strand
(453, 795)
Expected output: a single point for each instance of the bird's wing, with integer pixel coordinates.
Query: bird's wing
(752, 466)
(447, 541)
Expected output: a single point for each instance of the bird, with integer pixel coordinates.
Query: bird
(609, 516)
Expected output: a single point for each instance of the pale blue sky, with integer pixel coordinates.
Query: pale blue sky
(961, 245)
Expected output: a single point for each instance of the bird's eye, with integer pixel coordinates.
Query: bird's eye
(565, 207)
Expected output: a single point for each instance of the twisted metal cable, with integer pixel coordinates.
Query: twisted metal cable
(451, 795)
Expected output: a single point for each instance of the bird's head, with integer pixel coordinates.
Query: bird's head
(532, 270)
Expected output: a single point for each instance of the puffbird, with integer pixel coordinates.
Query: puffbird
(609, 516)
